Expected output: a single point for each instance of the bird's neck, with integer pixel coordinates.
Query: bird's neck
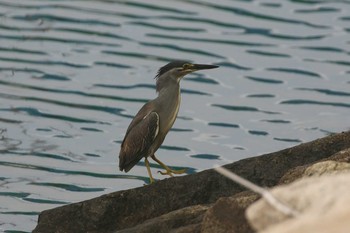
(170, 107)
(172, 94)
(169, 88)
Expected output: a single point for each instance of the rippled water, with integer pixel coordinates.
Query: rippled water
(73, 73)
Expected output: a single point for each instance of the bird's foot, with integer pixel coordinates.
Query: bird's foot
(151, 181)
(170, 172)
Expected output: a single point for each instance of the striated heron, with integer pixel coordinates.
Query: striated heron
(151, 124)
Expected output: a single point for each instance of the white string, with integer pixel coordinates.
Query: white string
(273, 201)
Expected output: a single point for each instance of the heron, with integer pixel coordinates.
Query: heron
(152, 123)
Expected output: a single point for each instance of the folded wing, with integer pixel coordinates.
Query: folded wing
(138, 140)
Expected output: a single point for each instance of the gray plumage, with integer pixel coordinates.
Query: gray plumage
(151, 124)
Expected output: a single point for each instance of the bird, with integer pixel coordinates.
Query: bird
(153, 121)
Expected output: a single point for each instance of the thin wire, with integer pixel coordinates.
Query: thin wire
(267, 195)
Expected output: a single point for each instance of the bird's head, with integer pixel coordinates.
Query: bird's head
(176, 70)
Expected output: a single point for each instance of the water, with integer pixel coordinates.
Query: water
(73, 73)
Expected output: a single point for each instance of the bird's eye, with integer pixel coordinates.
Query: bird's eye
(186, 66)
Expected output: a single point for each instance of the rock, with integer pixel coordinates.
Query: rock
(323, 203)
(174, 222)
(125, 209)
(129, 208)
(227, 214)
(326, 167)
(329, 166)
(341, 156)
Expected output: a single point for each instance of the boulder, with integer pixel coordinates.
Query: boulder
(227, 214)
(187, 219)
(126, 209)
(322, 202)
(330, 166)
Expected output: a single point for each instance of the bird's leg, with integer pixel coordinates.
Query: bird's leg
(169, 171)
(149, 171)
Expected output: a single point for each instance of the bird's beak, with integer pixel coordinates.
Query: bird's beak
(196, 67)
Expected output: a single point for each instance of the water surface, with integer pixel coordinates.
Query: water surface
(73, 74)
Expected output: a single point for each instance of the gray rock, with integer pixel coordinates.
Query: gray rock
(191, 217)
(227, 214)
(310, 170)
(128, 208)
(341, 156)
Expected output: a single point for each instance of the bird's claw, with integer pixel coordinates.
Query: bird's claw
(166, 173)
(170, 172)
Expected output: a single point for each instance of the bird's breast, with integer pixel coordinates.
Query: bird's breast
(174, 113)
(169, 112)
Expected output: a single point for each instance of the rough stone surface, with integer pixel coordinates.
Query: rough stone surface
(128, 208)
(172, 222)
(330, 165)
(326, 167)
(341, 156)
(227, 214)
(322, 201)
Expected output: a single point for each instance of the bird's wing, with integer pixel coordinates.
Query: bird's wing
(143, 112)
(140, 136)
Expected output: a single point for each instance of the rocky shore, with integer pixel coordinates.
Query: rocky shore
(312, 177)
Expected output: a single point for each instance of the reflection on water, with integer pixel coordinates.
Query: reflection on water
(73, 74)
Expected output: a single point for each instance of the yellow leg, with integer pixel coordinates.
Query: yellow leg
(149, 171)
(169, 171)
